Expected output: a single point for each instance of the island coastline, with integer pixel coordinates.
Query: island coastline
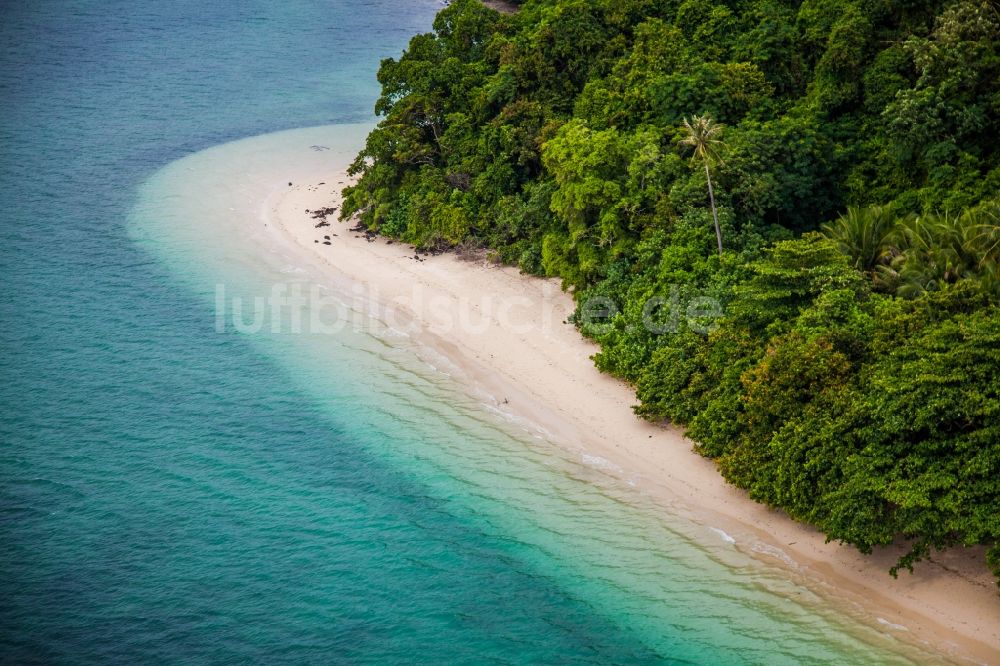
(531, 365)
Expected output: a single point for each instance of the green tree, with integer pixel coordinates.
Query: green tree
(927, 441)
(703, 135)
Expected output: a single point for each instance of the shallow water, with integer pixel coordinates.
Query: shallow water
(174, 493)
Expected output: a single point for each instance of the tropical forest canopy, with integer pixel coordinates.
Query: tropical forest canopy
(853, 147)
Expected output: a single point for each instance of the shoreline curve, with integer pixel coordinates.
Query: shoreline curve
(506, 335)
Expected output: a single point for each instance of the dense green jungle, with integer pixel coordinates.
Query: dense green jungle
(780, 221)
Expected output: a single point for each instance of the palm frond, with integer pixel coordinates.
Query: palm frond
(704, 135)
(868, 235)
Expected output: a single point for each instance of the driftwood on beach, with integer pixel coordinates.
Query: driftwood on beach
(321, 215)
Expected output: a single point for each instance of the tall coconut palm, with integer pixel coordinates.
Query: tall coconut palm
(703, 134)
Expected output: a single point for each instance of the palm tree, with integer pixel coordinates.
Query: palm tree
(927, 263)
(913, 255)
(867, 235)
(936, 252)
(981, 235)
(702, 134)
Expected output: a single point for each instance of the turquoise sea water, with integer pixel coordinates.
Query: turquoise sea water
(170, 493)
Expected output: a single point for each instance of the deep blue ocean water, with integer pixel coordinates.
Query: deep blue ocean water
(172, 494)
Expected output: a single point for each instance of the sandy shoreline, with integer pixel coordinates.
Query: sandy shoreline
(507, 334)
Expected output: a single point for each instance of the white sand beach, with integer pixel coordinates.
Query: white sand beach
(507, 334)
